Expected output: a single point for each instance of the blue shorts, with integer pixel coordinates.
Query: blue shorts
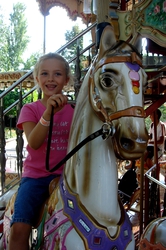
(32, 193)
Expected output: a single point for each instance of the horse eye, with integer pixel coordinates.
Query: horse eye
(106, 80)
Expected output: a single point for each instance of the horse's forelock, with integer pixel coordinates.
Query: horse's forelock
(119, 49)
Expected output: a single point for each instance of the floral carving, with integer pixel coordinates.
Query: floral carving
(156, 15)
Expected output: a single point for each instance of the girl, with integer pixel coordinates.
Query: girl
(51, 73)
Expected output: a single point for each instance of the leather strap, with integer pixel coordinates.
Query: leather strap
(135, 111)
(118, 59)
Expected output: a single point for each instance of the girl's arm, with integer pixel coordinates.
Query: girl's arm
(36, 133)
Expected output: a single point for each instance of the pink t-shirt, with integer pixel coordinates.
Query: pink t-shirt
(34, 164)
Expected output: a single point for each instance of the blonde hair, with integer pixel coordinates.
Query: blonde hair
(53, 56)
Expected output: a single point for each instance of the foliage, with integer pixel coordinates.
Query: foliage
(10, 133)
(13, 43)
(31, 61)
(70, 52)
(163, 112)
(11, 98)
(3, 32)
(15, 39)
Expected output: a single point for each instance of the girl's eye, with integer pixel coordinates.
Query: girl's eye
(106, 80)
(44, 73)
(58, 74)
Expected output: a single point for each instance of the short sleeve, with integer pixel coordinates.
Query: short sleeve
(28, 114)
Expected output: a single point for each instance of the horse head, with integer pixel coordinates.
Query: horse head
(116, 85)
(153, 236)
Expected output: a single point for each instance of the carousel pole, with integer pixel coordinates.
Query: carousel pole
(44, 37)
(101, 10)
(106, 15)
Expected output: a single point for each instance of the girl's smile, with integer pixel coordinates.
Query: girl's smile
(52, 76)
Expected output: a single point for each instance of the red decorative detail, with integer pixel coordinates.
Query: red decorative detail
(136, 83)
(97, 241)
(1, 227)
(164, 6)
(157, 9)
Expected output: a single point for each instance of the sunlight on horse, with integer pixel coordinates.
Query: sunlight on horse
(84, 211)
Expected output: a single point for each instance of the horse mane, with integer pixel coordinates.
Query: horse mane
(117, 49)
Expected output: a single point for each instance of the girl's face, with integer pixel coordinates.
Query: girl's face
(52, 76)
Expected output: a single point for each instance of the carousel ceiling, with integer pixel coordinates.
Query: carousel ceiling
(8, 78)
(74, 8)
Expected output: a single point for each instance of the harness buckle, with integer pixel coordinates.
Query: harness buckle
(108, 130)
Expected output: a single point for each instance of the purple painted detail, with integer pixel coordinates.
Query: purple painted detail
(133, 66)
(134, 75)
(96, 237)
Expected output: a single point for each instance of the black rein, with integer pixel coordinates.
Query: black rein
(103, 132)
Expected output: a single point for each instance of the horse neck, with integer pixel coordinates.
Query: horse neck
(92, 171)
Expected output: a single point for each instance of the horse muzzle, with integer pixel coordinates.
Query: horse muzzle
(129, 148)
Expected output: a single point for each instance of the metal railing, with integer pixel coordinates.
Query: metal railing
(18, 105)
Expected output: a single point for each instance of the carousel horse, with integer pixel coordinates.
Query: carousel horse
(153, 237)
(83, 211)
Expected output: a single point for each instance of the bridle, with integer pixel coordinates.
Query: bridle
(96, 101)
(107, 128)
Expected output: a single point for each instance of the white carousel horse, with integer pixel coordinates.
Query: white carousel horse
(153, 237)
(83, 211)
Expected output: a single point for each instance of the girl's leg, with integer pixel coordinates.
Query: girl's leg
(19, 236)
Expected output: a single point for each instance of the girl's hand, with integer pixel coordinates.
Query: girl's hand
(58, 101)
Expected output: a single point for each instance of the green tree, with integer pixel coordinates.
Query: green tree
(3, 33)
(15, 39)
(13, 96)
(13, 43)
(31, 61)
(163, 112)
(70, 52)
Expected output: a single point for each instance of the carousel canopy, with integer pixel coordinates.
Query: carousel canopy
(74, 8)
(8, 78)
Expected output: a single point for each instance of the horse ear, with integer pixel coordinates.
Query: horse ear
(136, 41)
(107, 40)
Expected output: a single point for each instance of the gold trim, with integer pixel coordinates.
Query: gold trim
(90, 216)
(133, 22)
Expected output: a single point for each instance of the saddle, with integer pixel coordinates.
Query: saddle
(48, 204)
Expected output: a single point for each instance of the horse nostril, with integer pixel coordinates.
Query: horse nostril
(127, 144)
